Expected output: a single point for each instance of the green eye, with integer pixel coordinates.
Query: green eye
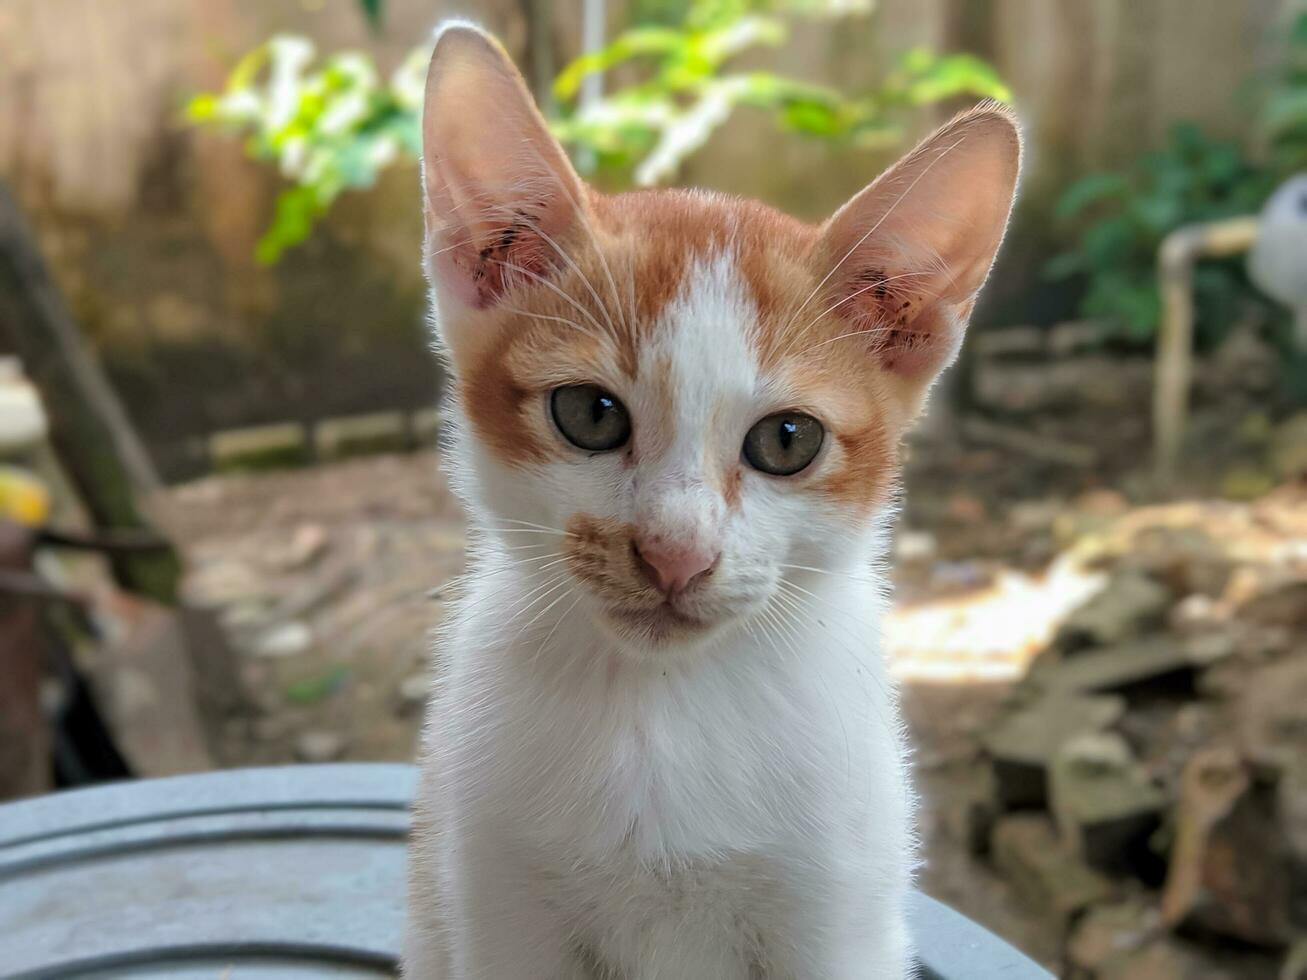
(784, 443)
(590, 418)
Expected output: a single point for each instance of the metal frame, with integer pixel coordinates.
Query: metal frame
(285, 873)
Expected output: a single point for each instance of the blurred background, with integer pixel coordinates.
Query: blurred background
(223, 533)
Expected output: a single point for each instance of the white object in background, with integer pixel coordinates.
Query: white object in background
(1278, 261)
(22, 419)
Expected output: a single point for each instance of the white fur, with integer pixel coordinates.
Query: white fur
(732, 810)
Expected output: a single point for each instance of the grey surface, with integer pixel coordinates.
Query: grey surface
(264, 874)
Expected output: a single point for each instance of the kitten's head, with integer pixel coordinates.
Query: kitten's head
(676, 401)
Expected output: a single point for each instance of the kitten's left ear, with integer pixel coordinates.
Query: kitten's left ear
(498, 186)
(906, 256)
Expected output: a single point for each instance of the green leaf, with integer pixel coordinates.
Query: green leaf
(1088, 191)
(202, 108)
(333, 125)
(636, 43)
(1285, 110)
(297, 209)
(372, 11)
(933, 78)
(313, 689)
(1065, 266)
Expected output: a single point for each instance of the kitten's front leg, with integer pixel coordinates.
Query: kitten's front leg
(502, 928)
(849, 941)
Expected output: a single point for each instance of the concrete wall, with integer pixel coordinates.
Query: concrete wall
(151, 226)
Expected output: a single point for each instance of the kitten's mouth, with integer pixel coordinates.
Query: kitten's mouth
(659, 624)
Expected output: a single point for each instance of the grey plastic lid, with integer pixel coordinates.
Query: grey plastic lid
(265, 874)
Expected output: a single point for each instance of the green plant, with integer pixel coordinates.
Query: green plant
(651, 126)
(1283, 119)
(1120, 218)
(337, 126)
(1125, 215)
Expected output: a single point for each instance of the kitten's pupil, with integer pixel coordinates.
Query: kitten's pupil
(602, 406)
(788, 430)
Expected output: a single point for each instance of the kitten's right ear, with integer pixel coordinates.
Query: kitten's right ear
(497, 184)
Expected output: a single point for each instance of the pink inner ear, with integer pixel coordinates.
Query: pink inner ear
(480, 260)
(908, 329)
(499, 188)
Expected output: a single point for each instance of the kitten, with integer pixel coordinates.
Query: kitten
(664, 744)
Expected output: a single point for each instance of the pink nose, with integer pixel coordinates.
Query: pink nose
(673, 568)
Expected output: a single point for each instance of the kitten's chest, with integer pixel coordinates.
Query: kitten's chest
(667, 772)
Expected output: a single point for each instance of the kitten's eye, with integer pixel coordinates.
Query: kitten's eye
(784, 443)
(590, 417)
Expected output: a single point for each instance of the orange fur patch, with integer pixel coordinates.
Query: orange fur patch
(647, 242)
(599, 552)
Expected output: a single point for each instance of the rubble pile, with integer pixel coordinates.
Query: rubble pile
(1145, 785)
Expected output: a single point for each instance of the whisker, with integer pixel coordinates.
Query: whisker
(543, 527)
(873, 229)
(854, 295)
(827, 571)
(584, 217)
(560, 293)
(559, 622)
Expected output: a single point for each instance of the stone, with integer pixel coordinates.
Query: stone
(1165, 959)
(306, 546)
(320, 746)
(1271, 718)
(1291, 815)
(912, 545)
(966, 508)
(413, 693)
(1187, 560)
(146, 686)
(270, 728)
(1104, 803)
(1046, 877)
(1282, 603)
(978, 813)
(1022, 743)
(1291, 807)
(1295, 961)
(1032, 516)
(1130, 604)
(1288, 449)
(1107, 933)
(223, 582)
(1102, 502)
(315, 592)
(259, 448)
(426, 425)
(1246, 483)
(281, 640)
(361, 435)
(1155, 660)
(1229, 873)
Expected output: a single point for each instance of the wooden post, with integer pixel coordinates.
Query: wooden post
(25, 768)
(88, 427)
(1176, 258)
